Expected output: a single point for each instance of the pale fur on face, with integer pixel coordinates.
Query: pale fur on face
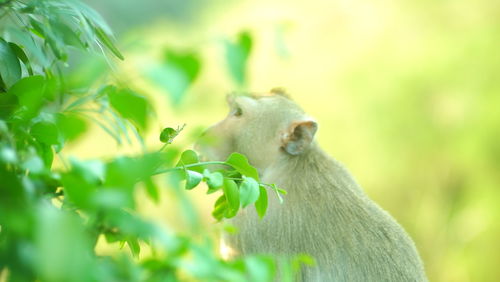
(258, 131)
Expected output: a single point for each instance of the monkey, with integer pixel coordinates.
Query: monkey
(325, 213)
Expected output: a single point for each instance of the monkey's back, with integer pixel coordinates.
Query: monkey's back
(326, 215)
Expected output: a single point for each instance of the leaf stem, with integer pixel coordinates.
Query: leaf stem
(190, 165)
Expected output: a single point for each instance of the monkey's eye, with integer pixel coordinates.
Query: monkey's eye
(237, 112)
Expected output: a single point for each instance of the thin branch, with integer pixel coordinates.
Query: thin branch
(190, 165)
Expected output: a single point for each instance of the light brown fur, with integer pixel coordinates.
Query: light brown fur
(325, 213)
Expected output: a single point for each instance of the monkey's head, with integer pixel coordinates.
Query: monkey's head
(265, 128)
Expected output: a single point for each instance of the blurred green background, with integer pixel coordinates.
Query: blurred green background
(406, 94)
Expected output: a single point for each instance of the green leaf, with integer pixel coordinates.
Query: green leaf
(232, 194)
(54, 41)
(176, 74)
(22, 56)
(37, 28)
(60, 245)
(8, 103)
(240, 163)
(237, 54)
(92, 171)
(169, 156)
(45, 132)
(36, 52)
(303, 259)
(188, 62)
(87, 13)
(193, 178)
(87, 72)
(249, 191)
(168, 134)
(281, 191)
(10, 68)
(111, 199)
(152, 190)
(220, 208)
(261, 203)
(105, 127)
(214, 179)
(173, 80)
(19, 52)
(77, 189)
(104, 38)
(46, 153)
(230, 229)
(112, 236)
(30, 91)
(51, 88)
(127, 171)
(70, 126)
(245, 42)
(69, 37)
(134, 246)
(190, 157)
(3, 87)
(130, 105)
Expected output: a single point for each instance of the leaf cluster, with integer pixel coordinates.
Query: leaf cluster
(177, 70)
(238, 181)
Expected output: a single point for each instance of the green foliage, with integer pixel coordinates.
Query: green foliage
(236, 181)
(30, 92)
(193, 178)
(168, 134)
(53, 216)
(130, 105)
(261, 203)
(10, 68)
(232, 195)
(249, 192)
(70, 125)
(240, 163)
(176, 72)
(179, 69)
(104, 38)
(186, 62)
(45, 132)
(237, 54)
(214, 180)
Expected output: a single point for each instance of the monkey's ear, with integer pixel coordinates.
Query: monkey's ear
(299, 137)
